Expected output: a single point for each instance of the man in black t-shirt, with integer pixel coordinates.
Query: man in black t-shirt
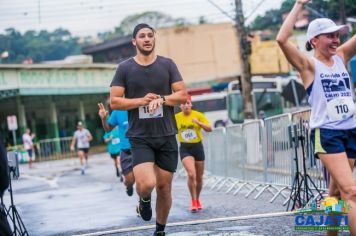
(143, 85)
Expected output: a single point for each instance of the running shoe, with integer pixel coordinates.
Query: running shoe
(200, 207)
(194, 206)
(83, 171)
(129, 190)
(159, 233)
(144, 209)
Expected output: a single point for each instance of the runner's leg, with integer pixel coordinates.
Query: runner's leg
(145, 179)
(199, 166)
(339, 168)
(188, 163)
(164, 196)
(335, 192)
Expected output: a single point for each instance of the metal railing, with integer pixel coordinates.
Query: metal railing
(259, 156)
(51, 149)
(54, 149)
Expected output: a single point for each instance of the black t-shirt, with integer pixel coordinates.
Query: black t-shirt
(138, 81)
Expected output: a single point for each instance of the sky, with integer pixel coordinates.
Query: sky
(89, 17)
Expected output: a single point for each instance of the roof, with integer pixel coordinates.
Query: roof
(116, 42)
(58, 66)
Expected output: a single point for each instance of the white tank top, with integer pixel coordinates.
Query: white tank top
(332, 105)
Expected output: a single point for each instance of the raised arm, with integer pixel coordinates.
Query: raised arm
(103, 113)
(299, 61)
(348, 49)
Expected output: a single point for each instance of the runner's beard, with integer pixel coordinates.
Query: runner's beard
(145, 52)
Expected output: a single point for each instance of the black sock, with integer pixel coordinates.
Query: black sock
(159, 227)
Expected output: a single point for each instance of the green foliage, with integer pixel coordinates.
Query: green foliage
(40, 46)
(154, 18)
(327, 8)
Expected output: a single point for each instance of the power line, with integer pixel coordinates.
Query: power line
(94, 29)
(111, 8)
(220, 9)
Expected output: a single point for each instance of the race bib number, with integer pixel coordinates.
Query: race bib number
(115, 141)
(143, 113)
(189, 135)
(341, 108)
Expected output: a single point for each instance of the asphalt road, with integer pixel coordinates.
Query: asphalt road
(54, 198)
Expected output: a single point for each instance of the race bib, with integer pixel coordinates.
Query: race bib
(340, 108)
(143, 113)
(189, 135)
(115, 141)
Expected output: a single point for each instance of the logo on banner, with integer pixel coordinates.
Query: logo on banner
(319, 215)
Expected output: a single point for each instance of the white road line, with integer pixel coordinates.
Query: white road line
(52, 182)
(193, 222)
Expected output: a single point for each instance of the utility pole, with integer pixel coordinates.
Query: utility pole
(342, 12)
(245, 81)
(39, 11)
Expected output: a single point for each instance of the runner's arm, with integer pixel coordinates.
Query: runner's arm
(90, 137)
(298, 60)
(205, 127)
(74, 139)
(348, 49)
(178, 96)
(118, 102)
(103, 113)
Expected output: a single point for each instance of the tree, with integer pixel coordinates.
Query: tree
(273, 18)
(154, 18)
(39, 46)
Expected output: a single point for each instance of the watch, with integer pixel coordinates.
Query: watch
(163, 99)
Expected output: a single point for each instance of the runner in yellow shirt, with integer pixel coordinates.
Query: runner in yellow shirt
(189, 124)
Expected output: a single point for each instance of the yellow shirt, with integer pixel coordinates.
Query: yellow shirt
(189, 132)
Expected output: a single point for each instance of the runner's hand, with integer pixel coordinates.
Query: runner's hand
(154, 105)
(72, 148)
(196, 121)
(102, 112)
(149, 98)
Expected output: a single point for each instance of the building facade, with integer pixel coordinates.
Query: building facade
(51, 99)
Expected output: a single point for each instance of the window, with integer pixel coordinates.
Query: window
(217, 104)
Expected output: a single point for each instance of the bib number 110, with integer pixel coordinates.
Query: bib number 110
(342, 109)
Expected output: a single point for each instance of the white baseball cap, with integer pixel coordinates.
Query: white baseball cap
(324, 26)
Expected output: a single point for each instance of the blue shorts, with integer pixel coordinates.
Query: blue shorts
(334, 141)
(126, 161)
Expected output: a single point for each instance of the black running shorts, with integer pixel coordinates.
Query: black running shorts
(85, 150)
(195, 150)
(126, 161)
(115, 155)
(163, 151)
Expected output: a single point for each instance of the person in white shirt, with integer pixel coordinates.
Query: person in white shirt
(27, 138)
(333, 111)
(82, 137)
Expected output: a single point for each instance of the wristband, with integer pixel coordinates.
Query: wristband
(163, 99)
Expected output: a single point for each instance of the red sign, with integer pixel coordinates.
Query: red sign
(12, 122)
